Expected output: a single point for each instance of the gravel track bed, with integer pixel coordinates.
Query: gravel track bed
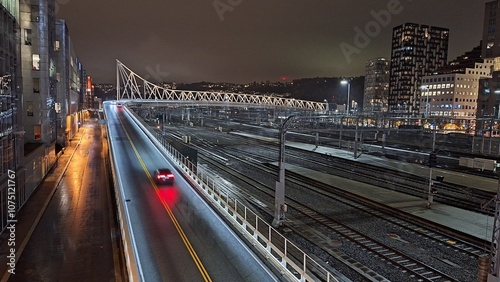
(416, 245)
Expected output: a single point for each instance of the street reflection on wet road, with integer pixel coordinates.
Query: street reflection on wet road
(170, 195)
(72, 242)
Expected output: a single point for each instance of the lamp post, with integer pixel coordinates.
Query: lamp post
(348, 82)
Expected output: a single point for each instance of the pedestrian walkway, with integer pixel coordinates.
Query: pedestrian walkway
(475, 224)
(52, 220)
(30, 214)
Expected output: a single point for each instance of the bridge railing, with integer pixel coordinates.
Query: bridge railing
(292, 262)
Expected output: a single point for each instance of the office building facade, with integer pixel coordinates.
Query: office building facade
(376, 86)
(491, 30)
(38, 71)
(69, 85)
(417, 50)
(453, 95)
(11, 129)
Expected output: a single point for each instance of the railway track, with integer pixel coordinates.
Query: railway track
(418, 273)
(413, 268)
(252, 158)
(453, 195)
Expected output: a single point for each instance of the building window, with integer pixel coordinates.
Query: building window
(27, 36)
(36, 85)
(35, 13)
(29, 108)
(57, 45)
(36, 62)
(37, 130)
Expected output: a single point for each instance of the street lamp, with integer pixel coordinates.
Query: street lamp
(348, 82)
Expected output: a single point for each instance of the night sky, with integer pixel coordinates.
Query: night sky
(251, 40)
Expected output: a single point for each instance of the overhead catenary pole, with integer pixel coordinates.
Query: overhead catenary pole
(279, 193)
(495, 248)
(432, 160)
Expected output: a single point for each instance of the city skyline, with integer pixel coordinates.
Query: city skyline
(243, 41)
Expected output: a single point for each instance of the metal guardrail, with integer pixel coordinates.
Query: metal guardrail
(124, 221)
(292, 262)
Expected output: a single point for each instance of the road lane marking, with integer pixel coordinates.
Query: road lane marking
(184, 238)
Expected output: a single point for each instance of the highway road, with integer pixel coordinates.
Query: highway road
(176, 236)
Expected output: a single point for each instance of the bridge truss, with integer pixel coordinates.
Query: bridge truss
(131, 86)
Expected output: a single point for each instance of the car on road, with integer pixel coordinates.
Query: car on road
(164, 176)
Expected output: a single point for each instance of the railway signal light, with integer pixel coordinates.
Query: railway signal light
(432, 159)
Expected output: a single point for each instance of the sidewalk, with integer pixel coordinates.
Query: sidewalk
(32, 211)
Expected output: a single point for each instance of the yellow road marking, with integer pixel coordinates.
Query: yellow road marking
(184, 238)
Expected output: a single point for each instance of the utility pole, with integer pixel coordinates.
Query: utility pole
(280, 207)
(432, 163)
(279, 194)
(340, 134)
(495, 248)
(356, 139)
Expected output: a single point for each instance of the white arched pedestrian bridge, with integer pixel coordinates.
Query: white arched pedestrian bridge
(131, 86)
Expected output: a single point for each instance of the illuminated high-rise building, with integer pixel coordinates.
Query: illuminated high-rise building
(417, 50)
(376, 86)
(491, 30)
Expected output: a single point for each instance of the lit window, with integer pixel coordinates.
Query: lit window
(36, 62)
(37, 130)
(27, 36)
(57, 45)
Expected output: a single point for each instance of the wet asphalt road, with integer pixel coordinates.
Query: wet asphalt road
(72, 241)
(178, 236)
